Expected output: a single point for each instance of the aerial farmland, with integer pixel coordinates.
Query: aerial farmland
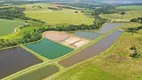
(63, 40)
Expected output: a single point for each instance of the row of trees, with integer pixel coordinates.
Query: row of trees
(134, 29)
(54, 8)
(68, 28)
(139, 20)
(26, 38)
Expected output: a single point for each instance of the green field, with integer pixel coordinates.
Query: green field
(134, 7)
(8, 26)
(49, 49)
(85, 71)
(40, 73)
(126, 18)
(53, 17)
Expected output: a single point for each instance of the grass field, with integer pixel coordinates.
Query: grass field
(134, 7)
(52, 17)
(8, 26)
(87, 71)
(115, 62)
(126, 18)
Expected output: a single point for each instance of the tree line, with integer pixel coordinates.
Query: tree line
(134, 29)
(15, 12)
(26, 38)
(139, 20)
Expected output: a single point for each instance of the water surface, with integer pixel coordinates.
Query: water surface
(49, 49)
(15, 59)
(88, 35)
(91, 51)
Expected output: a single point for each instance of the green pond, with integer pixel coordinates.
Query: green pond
(39, 74)
(49, 49)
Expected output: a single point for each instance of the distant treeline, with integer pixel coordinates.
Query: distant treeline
(15, 12)
(67, 7)
(54, 8)
(83, 5)
(68, 28)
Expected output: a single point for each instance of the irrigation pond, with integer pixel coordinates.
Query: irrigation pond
(39, 74)
(88, 35)
(15, 59)
(49, 49)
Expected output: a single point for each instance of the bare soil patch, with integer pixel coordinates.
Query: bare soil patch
(65, 39)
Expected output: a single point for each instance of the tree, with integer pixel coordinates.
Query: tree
(122, 13)
(76, 11)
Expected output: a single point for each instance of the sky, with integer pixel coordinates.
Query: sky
(106, 1)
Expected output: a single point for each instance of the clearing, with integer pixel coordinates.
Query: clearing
(65, 38)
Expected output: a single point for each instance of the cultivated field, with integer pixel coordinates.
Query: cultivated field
(49, 49)
(15, 59)
(134, 7)
(125, 18)
(8, 26)
(65, 39)
(52, 17)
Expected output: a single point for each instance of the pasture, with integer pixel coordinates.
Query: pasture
(132, 7)
(117, 59)
(8, 26)
(15, 59)
(85, 71)
(49, 49)
(123, 18)
(39, 74)
(53, 17)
